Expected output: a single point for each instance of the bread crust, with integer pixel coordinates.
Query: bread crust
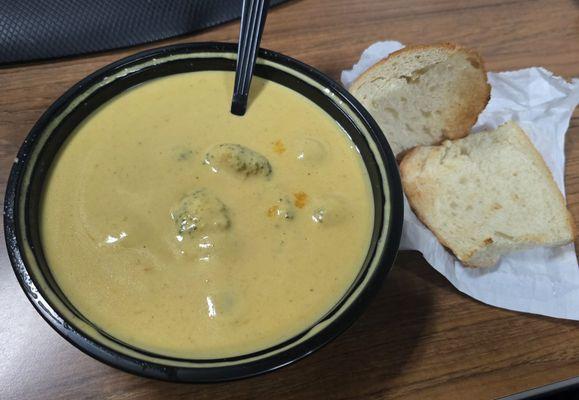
(412, 48)
(541, 161)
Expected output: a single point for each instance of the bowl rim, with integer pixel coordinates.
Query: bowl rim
(214, 374)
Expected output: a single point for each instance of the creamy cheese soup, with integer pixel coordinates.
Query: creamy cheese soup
(179, 228)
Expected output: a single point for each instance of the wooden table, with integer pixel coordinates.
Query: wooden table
(420, 338)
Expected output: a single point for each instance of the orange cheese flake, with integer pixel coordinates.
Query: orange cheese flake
(278, 147)
(272, 211)
(300, 199)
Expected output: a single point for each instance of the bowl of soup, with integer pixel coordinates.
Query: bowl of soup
(163, 235)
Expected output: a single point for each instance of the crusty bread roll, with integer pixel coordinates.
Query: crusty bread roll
(487, 195)
(421, 95)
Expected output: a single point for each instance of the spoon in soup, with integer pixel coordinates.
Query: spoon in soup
(253, 17)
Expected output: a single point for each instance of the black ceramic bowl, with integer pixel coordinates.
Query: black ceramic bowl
(59, 121)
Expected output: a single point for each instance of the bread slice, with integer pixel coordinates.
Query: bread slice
(421, 95)
(487, 195)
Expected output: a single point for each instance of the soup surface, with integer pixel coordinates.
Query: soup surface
(184, 230)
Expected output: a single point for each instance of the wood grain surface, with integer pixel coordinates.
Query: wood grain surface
(420, 338)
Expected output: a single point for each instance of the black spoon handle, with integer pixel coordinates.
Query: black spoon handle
(253, 17)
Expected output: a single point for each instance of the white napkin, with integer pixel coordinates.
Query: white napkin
(541, 280)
